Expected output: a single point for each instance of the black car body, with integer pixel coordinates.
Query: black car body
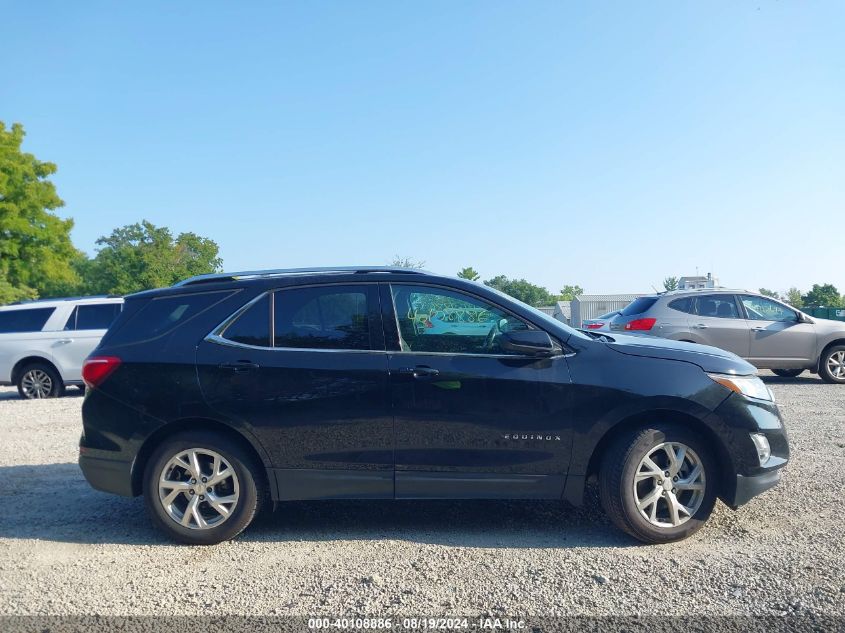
(336, 383)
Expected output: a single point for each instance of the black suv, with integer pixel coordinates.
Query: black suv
(226, 391)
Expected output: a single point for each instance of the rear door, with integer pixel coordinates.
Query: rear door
(718, 321)
(81, 333)
(312, 387)
(778, 338)
(472, 420)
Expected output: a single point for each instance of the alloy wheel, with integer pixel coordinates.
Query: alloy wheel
(36, 383)
(198, 488)
(669, 485)
(836, 364)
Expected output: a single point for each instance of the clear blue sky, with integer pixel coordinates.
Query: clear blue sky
(605, 144)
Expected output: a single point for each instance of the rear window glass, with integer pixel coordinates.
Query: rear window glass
(682, 305)
(162, 314)
(93, 317)
(253, 326)
(717, 306)
(638, 306)
(331, 317)
(24, 320)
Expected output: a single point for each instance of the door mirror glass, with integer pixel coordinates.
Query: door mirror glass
(529, 342)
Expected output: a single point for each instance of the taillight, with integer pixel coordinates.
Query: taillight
(640, 324)
(594, 326)
(97, 368)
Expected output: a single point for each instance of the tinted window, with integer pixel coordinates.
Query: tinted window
(437, 320)
(160, 315)
(93, 317)
(253, 326)
(24, 320)
(331, 317)
(638, 306)
(682, 305)
(762, 309)
(718, 306)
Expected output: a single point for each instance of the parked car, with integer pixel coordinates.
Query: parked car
(765, 332)
(43, 343)
(228, 391)
(601, 323)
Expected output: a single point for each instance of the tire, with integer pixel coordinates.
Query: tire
(832, 365)
(788, 373)
(40, 380)
(246, 484)
(618, 491)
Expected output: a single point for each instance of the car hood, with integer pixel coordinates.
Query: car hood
(710, 359)
(828, 326)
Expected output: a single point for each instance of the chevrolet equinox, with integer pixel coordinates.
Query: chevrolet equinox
(227, 392)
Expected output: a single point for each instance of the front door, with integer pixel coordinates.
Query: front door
(718, 322)
(472, 420)
(778, 338)
(312, 387)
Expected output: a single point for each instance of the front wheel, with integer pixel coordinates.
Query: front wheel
(201, 488)
(788, 373)
(658, 484)
(40, 380)
(832, 366)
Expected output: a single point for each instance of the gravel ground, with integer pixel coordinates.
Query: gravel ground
(66, 549)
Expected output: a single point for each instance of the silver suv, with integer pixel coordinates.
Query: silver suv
(43, 343)
(767, 333)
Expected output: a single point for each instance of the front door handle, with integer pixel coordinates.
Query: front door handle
(65, 341)
(700, 326)
(239, 367)
(420, 371)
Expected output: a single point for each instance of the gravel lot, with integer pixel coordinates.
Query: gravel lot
(66, 549)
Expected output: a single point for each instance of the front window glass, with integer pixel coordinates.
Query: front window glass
(717, 306)
(24, 319)
(438, 320)
(330, 317)
(253, 326)
(762, 309)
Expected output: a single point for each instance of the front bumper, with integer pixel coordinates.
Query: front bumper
(748, 487)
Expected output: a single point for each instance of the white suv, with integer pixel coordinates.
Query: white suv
(43, 343)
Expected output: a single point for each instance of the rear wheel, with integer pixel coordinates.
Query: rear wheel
(201, 488)
(788, 373)
(40, 380)
(832, 366)
(658, 484)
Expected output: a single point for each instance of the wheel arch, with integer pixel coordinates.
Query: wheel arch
(30, 359)
(574, 493)
(833, 343)
(197, 424)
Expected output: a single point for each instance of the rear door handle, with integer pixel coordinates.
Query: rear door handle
(420, 371)
(239, 367)
(700, 326)
(65, 341)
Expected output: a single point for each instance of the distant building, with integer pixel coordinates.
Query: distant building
(691, 283)
(591, 306)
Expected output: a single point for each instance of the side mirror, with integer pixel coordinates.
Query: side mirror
(803, 318)
(528, 342)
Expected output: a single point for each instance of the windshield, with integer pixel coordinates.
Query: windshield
(542, 316)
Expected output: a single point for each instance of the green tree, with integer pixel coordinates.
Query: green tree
(568, 293)
(469, 273)
(142, 256)
(521, 289)
(769, 293)
(793, 298)
(35, 246)
(826, 296)
(406, 262)
(670, 283)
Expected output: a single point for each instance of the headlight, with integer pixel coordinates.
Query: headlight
(750, 386)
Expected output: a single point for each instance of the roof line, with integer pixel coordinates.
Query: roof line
(280, 272)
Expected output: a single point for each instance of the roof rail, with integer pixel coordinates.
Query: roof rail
(45, 299)
(282, 272)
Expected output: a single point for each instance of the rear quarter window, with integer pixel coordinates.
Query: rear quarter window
(684, 304)
(161, 315)
(638, 306)
(24, 319)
